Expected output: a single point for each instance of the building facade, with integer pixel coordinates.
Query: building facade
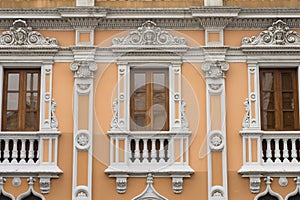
(136, 100)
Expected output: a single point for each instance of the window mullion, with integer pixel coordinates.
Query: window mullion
(149, 97)
(279, 111)
(22, 100)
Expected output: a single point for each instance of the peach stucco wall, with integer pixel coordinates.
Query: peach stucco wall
(193, 91)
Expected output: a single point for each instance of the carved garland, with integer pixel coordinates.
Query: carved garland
(278, 34)
(21, 34)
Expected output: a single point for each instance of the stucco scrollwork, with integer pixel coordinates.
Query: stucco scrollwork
(177, 183)
(184, 120)
(114, 121)
(149, 34)
(54, 121)
(45, 185)
(83, 69)
(21, 34)
(121, 183)
(215, 70)
(254, 184)
(246, 120)
(278, 34)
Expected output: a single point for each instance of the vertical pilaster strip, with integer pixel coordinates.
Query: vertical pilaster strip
(83, 128)
(216, 127)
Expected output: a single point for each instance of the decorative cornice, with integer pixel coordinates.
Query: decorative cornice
(20, 34)
(278, 34)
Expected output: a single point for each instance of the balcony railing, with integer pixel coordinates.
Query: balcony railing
(30, 152)
(143, 152)
(270, 152)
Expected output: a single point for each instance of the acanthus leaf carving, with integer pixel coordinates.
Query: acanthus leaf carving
(149, 34)
(278, 34)
(21, 34)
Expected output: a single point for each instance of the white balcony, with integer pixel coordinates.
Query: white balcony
(270, 153)
(29, 154)
(136, 154)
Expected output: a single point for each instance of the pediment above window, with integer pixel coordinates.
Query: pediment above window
(149, 37)
(277, 38)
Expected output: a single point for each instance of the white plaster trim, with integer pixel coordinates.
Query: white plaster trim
(2, 191)
(30, 190)
(268, 181)
(91, 38)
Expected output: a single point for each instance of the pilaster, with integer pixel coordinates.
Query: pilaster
(83, 68)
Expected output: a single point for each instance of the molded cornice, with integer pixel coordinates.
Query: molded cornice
(66, 18)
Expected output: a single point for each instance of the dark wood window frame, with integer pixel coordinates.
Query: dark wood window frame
(277, 91)
(149, 97)
(22, 92)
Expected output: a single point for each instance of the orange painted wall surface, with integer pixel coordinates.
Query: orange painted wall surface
(36, 3)
(260, 3)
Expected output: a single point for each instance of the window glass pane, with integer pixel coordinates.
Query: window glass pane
(28, 82)
(267, 197)
(31, 120)
(287, 81)
(288, 120)
(35, 81)
(268, 119)
(31, 101)
(159, 81)
(287, 100)
(139, 121)
(12, 101)
(268, 81)
(139, 81)
(13, 82)
(12, 120)
(268, 100)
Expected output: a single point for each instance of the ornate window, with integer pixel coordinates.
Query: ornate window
(28, 121)
(271, 124)
(149, 121)
(149, 100)
(279, 99)
(21, 93)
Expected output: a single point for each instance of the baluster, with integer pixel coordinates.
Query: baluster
(285, 151)
(145, 151)
(14, 154)
(153, 151)
(31, 152)
(168, 150)
(137, 150)
(294, 151)
(161, 151)
(277, 151)
(269, 151)
(23, 151)
(38, 152)
(6, 151)
(132, 148)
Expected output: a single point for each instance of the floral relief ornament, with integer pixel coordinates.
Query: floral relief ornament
(215, 70)
(21, 34)
(83, 68)
(278, 34)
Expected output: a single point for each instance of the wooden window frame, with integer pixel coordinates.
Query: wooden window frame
(149, 97)
(279, 122)
(22, 98)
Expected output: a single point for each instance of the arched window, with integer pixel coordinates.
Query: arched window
(295, 197)
(3, 197)
(31, 196)
(268, 196)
